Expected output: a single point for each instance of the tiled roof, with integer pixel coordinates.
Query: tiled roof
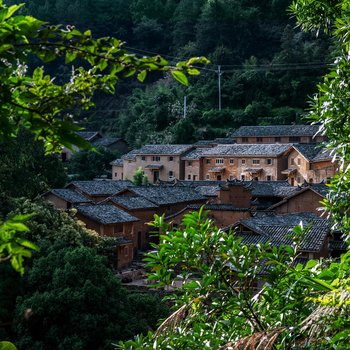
(219, 207)
(130, 155)
(131, 202)
(247, 150)
(106, 141)
(105, 213)
(338, 245)
(320, 188)
(224, 140)
(163, 149)
(167, 195)
(324, 154)
(154, 166)
(88, 135)
(308, 150)
(277, 229)
(276, 130)
(204, 142)
(196, 153)
(117, 162)
(100, 187)
(270, 188)
(204, 187)
(70, 196)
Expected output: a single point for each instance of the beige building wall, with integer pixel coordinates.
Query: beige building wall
(171, 167)
(236, 168)
(57, 201)
(313, 172)
(117, 172)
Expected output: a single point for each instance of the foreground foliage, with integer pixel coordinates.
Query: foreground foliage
(218, 304)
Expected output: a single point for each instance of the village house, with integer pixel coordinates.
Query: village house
(141, 208)
(98, 190)
(194, 164)
(107, 220)
(96, 139)
(63, 198)
(278, 134)
(309, 163)
(158, 162)
(245, 162)
(305, 198)
(276, 230)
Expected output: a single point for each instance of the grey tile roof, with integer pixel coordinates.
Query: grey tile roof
(106, 141)
(204, 142)
(279, 189)
(117, 162)
(308, 150)
(204, 187)
(247, 150)
(167, 195)
(70, 196)
(224, 140)
(320, 188)
(196, 153)
(338, 245)
(133, 202)
(164, 149)
(131, 155)
(100, 187)
(218, 207)
(324, 154)
(277, 229)
(88, 135)
(276, 130)
(105, 213)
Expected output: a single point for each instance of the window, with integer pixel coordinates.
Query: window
(194, 177)
(189, 177)
(219, 161)
(243, 161)
(244, 139)
(299, 161)
(294, 139)
(243, 177)
(256, 161)
(218, 178)
(292, 161)
(298, 179)
(232, 161)
(189, 163)
(207, 177)
(171, 158)
(232, 177)
(311, 181)
(268, 178)
(171, 173)
(277, 139)
(259, 139)
(143, 157)
(122, 176)
(156, 158)
(269, 161)
(115, 174)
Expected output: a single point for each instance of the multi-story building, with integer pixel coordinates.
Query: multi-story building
(158, 162)
(278, 134)
(245, 162)
(309, 163)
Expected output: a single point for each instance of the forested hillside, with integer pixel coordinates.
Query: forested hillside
(267, 67)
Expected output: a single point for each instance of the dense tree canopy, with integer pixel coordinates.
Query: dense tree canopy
(268, 65)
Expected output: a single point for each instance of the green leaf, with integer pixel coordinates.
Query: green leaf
(142, 76)
(180, 77)
(70, 56)
(6, 345)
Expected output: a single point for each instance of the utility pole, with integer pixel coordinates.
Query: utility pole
(185, 106)
(219, 81)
